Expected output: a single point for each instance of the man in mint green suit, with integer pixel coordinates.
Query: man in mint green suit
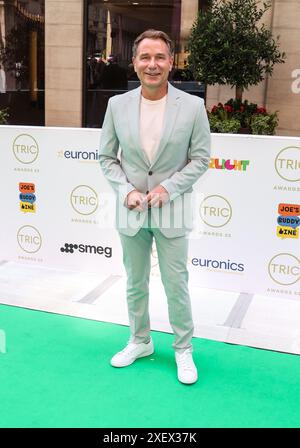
(155, 144)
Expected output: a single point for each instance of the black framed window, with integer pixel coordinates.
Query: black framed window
(111, 27)
(22, 61)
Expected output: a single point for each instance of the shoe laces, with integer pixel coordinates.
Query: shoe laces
(129, 347)
(185, 360)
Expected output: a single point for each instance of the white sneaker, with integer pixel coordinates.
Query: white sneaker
(131, 352)
(186, 369)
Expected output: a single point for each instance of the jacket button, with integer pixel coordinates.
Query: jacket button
(150, 173)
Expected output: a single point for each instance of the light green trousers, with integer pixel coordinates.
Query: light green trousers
(172, 257)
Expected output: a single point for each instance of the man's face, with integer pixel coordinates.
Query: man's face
(153, 63)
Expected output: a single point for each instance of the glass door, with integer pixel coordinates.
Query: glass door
(112, 27)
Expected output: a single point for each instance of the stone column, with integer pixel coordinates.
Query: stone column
(283, 93)
(189, 11)
(63, 62)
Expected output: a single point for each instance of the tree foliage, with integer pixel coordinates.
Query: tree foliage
(230, 45)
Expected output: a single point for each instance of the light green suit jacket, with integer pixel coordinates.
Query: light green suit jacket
(182, 157)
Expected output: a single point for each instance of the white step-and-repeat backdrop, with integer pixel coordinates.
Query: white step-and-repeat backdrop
(57, 209)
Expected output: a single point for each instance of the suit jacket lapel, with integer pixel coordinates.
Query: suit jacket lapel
(172, 107)
(134, 121)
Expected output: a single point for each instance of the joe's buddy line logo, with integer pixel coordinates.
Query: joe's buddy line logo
(288, 221)
(27, 197)
(25, 148)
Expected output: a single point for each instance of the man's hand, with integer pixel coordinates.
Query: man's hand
(157, 197)
(136, 201)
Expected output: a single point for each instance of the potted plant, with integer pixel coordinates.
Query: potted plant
(222, 120)
(236, 116)
(229, 44)
(264, 124)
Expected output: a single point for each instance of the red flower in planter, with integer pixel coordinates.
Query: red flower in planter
(261, 110)
(228, 108)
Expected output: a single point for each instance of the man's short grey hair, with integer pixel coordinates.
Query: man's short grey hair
(153, 34)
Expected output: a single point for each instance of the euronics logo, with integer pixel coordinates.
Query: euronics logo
(90, 156)
(222, 265)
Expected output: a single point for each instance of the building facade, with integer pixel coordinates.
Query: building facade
(61, 60)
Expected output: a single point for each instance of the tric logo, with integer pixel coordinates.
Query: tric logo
(284, 269)
(287, 164)
(84, 200)
(215, 211)
(25, 148)
(29, 239)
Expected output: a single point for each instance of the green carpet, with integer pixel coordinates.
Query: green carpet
(56, 373)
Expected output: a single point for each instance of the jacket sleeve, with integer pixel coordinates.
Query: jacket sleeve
(199, 157)
(108, 157)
